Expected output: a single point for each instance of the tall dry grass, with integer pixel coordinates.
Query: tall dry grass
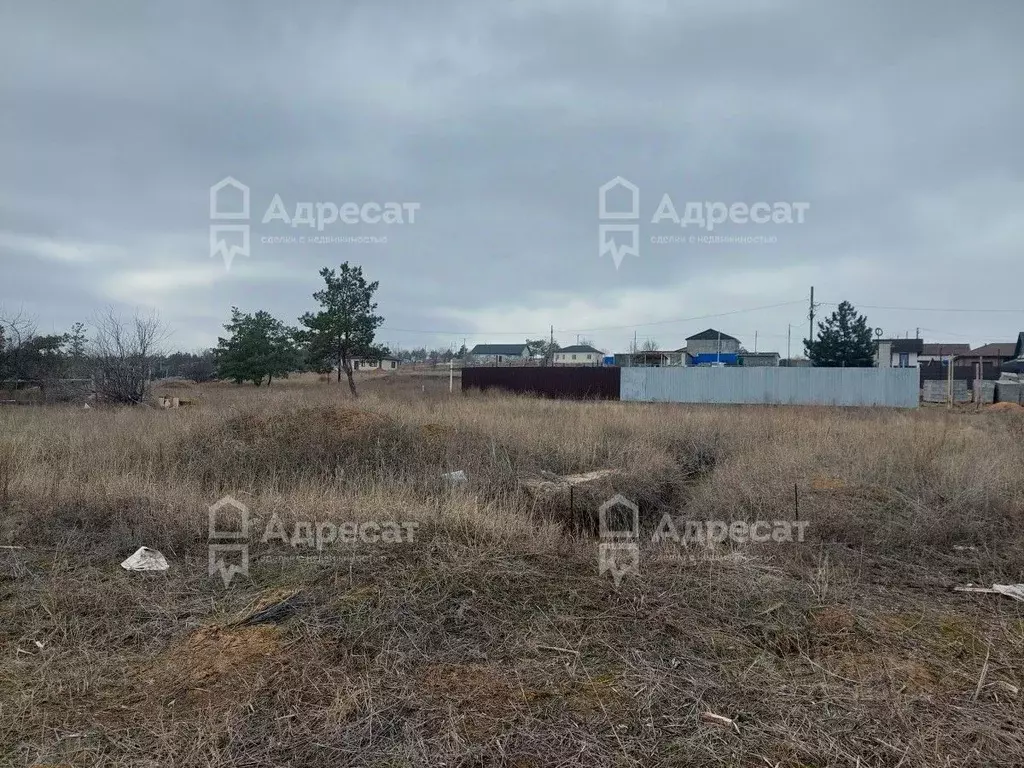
(493, 640)
(887, 480)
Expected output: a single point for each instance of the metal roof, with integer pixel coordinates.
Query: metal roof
(946, 349)
(711, 335)
(498, 349)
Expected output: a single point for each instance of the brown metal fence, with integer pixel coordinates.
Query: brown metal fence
(933, 370)
(584, 382)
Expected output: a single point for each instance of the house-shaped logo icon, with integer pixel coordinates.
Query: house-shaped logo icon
(228, 539)
(618, 231)
(634, 200)
(221, 190)
(229, 240)
(618, 518)
(223, 511)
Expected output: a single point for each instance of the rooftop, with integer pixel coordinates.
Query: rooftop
(498, 349)
(946, 349)
(711, 335)
(904, 346)
(994, 350)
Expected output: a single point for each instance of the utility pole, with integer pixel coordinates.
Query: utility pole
(755, 342)
(810, 325)
(718, 354)
(789, 339)
(949, 388)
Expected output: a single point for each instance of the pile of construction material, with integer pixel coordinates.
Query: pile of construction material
(1009, 389)
(984, 392)
(173, 402)
(935, 391)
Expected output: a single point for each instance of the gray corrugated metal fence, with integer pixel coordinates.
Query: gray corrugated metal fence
(890, 387)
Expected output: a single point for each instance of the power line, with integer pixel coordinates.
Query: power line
(681, 319)
(625, 326)
(924, 309)
(589, 330)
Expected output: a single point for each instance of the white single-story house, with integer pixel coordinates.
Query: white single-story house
(366, 364)
(898, 353)
(578, 354)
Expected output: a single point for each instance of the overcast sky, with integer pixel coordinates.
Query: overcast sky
(899, 123)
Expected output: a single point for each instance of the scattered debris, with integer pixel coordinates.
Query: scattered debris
(458, 476)
(964, 548)
(1005, 687)
(550, 482)
(711, 717)
(1016, 591)
(274, 609)
(145, 559)
(173, 402)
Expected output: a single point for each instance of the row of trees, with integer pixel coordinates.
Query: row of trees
(25, 354)
(123, 354)
(260, 347)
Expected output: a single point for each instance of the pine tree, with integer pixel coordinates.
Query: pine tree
(258, 347)
(844, 340)
(344, 327)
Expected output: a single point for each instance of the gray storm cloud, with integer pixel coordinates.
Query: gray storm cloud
(898, 123)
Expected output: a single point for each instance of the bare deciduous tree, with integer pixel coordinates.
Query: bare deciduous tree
(123, 351)
(17, 330)
(26, 355)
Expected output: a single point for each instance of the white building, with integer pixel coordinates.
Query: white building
(578, 354)
(384, 364)
(898, 353)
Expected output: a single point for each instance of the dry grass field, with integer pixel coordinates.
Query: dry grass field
(491, 638)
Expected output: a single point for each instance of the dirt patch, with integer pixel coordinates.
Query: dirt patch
(438, 430)
(880, 670)
(477, 698)
(1005, 407)
(832, 629)
(832, 620)
(214, 662)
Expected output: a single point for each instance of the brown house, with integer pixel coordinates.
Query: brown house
(942, 352)
(990, 354)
